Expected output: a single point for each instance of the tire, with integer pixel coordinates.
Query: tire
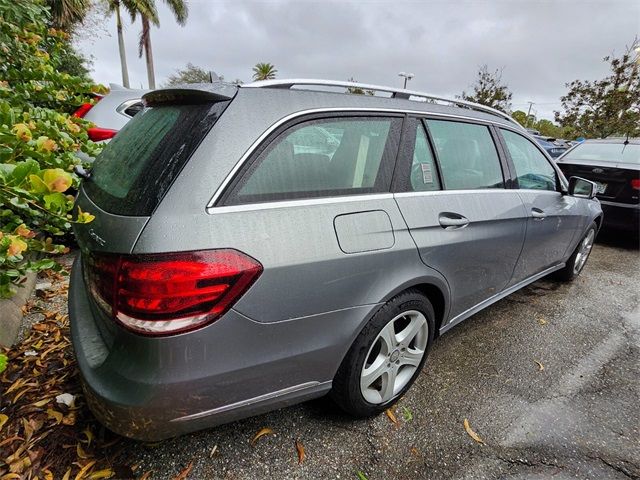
(579, 257)
(411, 316)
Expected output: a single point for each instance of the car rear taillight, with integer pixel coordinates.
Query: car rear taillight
(98, 134)
(635, 183)
(83, 110)
(169, 293)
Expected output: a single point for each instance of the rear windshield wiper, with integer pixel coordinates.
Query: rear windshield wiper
(81, 172)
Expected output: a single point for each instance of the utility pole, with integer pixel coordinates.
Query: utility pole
(529, 112)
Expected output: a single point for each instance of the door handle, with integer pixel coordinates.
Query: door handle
(449, 221)
(538, 214)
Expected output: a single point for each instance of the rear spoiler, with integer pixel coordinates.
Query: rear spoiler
(190, 94)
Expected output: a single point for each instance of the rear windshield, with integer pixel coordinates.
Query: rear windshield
(606, 152)
(135, 170)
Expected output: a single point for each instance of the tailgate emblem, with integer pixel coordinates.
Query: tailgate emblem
(99, 240)
(597, 170)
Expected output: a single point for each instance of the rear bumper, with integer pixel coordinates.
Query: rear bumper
(154, 388)
(621, 215)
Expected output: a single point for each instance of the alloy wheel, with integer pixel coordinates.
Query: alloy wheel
(394, 356)
(583, 251)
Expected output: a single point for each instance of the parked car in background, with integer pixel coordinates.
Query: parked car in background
(262, 245)
(614, 164)
(111, 112)
(553, 146)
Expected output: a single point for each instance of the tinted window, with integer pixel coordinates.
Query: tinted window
(533, 170)
(135, 170)
(134, 109)
(317, 158)
(424, 175)
(467, 155)
(606, 152)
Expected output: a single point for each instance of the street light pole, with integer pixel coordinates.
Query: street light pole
(407, 76)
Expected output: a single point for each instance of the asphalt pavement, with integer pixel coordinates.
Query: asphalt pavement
(548, 378)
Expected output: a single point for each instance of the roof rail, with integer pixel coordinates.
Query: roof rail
(395, 93)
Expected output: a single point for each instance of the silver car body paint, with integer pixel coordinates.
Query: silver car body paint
(110, 111)
(329, 264)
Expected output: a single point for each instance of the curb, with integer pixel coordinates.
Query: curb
(11, 311)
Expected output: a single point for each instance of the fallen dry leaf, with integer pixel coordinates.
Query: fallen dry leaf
(471, 433)
(106, 473)
(55, 415)
(183, 474)
(542, 321)
(540, 365)
(81, 453)
(392, 416)
(301, 454)
(41, 403)
(260, 434)
(3, 420)
(84, 470)
(213, 451)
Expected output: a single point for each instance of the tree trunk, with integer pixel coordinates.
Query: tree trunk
(148, 54)
(123, 55)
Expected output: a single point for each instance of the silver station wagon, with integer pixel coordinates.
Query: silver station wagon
(263, 245)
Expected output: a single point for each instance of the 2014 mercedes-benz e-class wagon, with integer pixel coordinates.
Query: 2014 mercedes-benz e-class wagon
(262, 245)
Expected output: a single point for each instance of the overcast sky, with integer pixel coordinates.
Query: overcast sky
(541, 45)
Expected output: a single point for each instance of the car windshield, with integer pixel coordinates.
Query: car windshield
(606, 152)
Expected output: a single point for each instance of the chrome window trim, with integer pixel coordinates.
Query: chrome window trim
(453, 192)
(124, 105)
(304, 202)
(211, 208)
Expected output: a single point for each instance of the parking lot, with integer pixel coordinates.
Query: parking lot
(575, 414)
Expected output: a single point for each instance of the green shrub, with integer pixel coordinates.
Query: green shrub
(39, 140)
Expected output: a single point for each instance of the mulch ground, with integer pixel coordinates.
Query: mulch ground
(46, 430)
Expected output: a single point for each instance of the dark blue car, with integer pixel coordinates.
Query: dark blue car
(554, 147)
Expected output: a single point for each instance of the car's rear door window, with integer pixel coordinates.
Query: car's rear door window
(323, 157)
(533, 170)
(135, 170)
(467, 155)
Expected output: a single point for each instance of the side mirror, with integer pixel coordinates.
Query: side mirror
(582, 188)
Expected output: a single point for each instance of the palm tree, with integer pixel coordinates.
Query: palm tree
(66, 13)
(149, 15)
(114, 7)
(264, 71)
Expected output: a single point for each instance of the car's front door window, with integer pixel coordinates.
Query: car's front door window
(533, 170)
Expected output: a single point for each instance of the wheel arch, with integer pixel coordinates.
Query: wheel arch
(435, 290)
(599, 219)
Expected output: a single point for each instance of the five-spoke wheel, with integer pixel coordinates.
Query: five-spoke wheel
(387, 355)
(394, 356)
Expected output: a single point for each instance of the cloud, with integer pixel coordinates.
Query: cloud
(541, 45)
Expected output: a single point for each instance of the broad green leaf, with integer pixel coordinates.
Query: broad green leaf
(37, 184)
(3, 363)
(23, 170)
(57, 179)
